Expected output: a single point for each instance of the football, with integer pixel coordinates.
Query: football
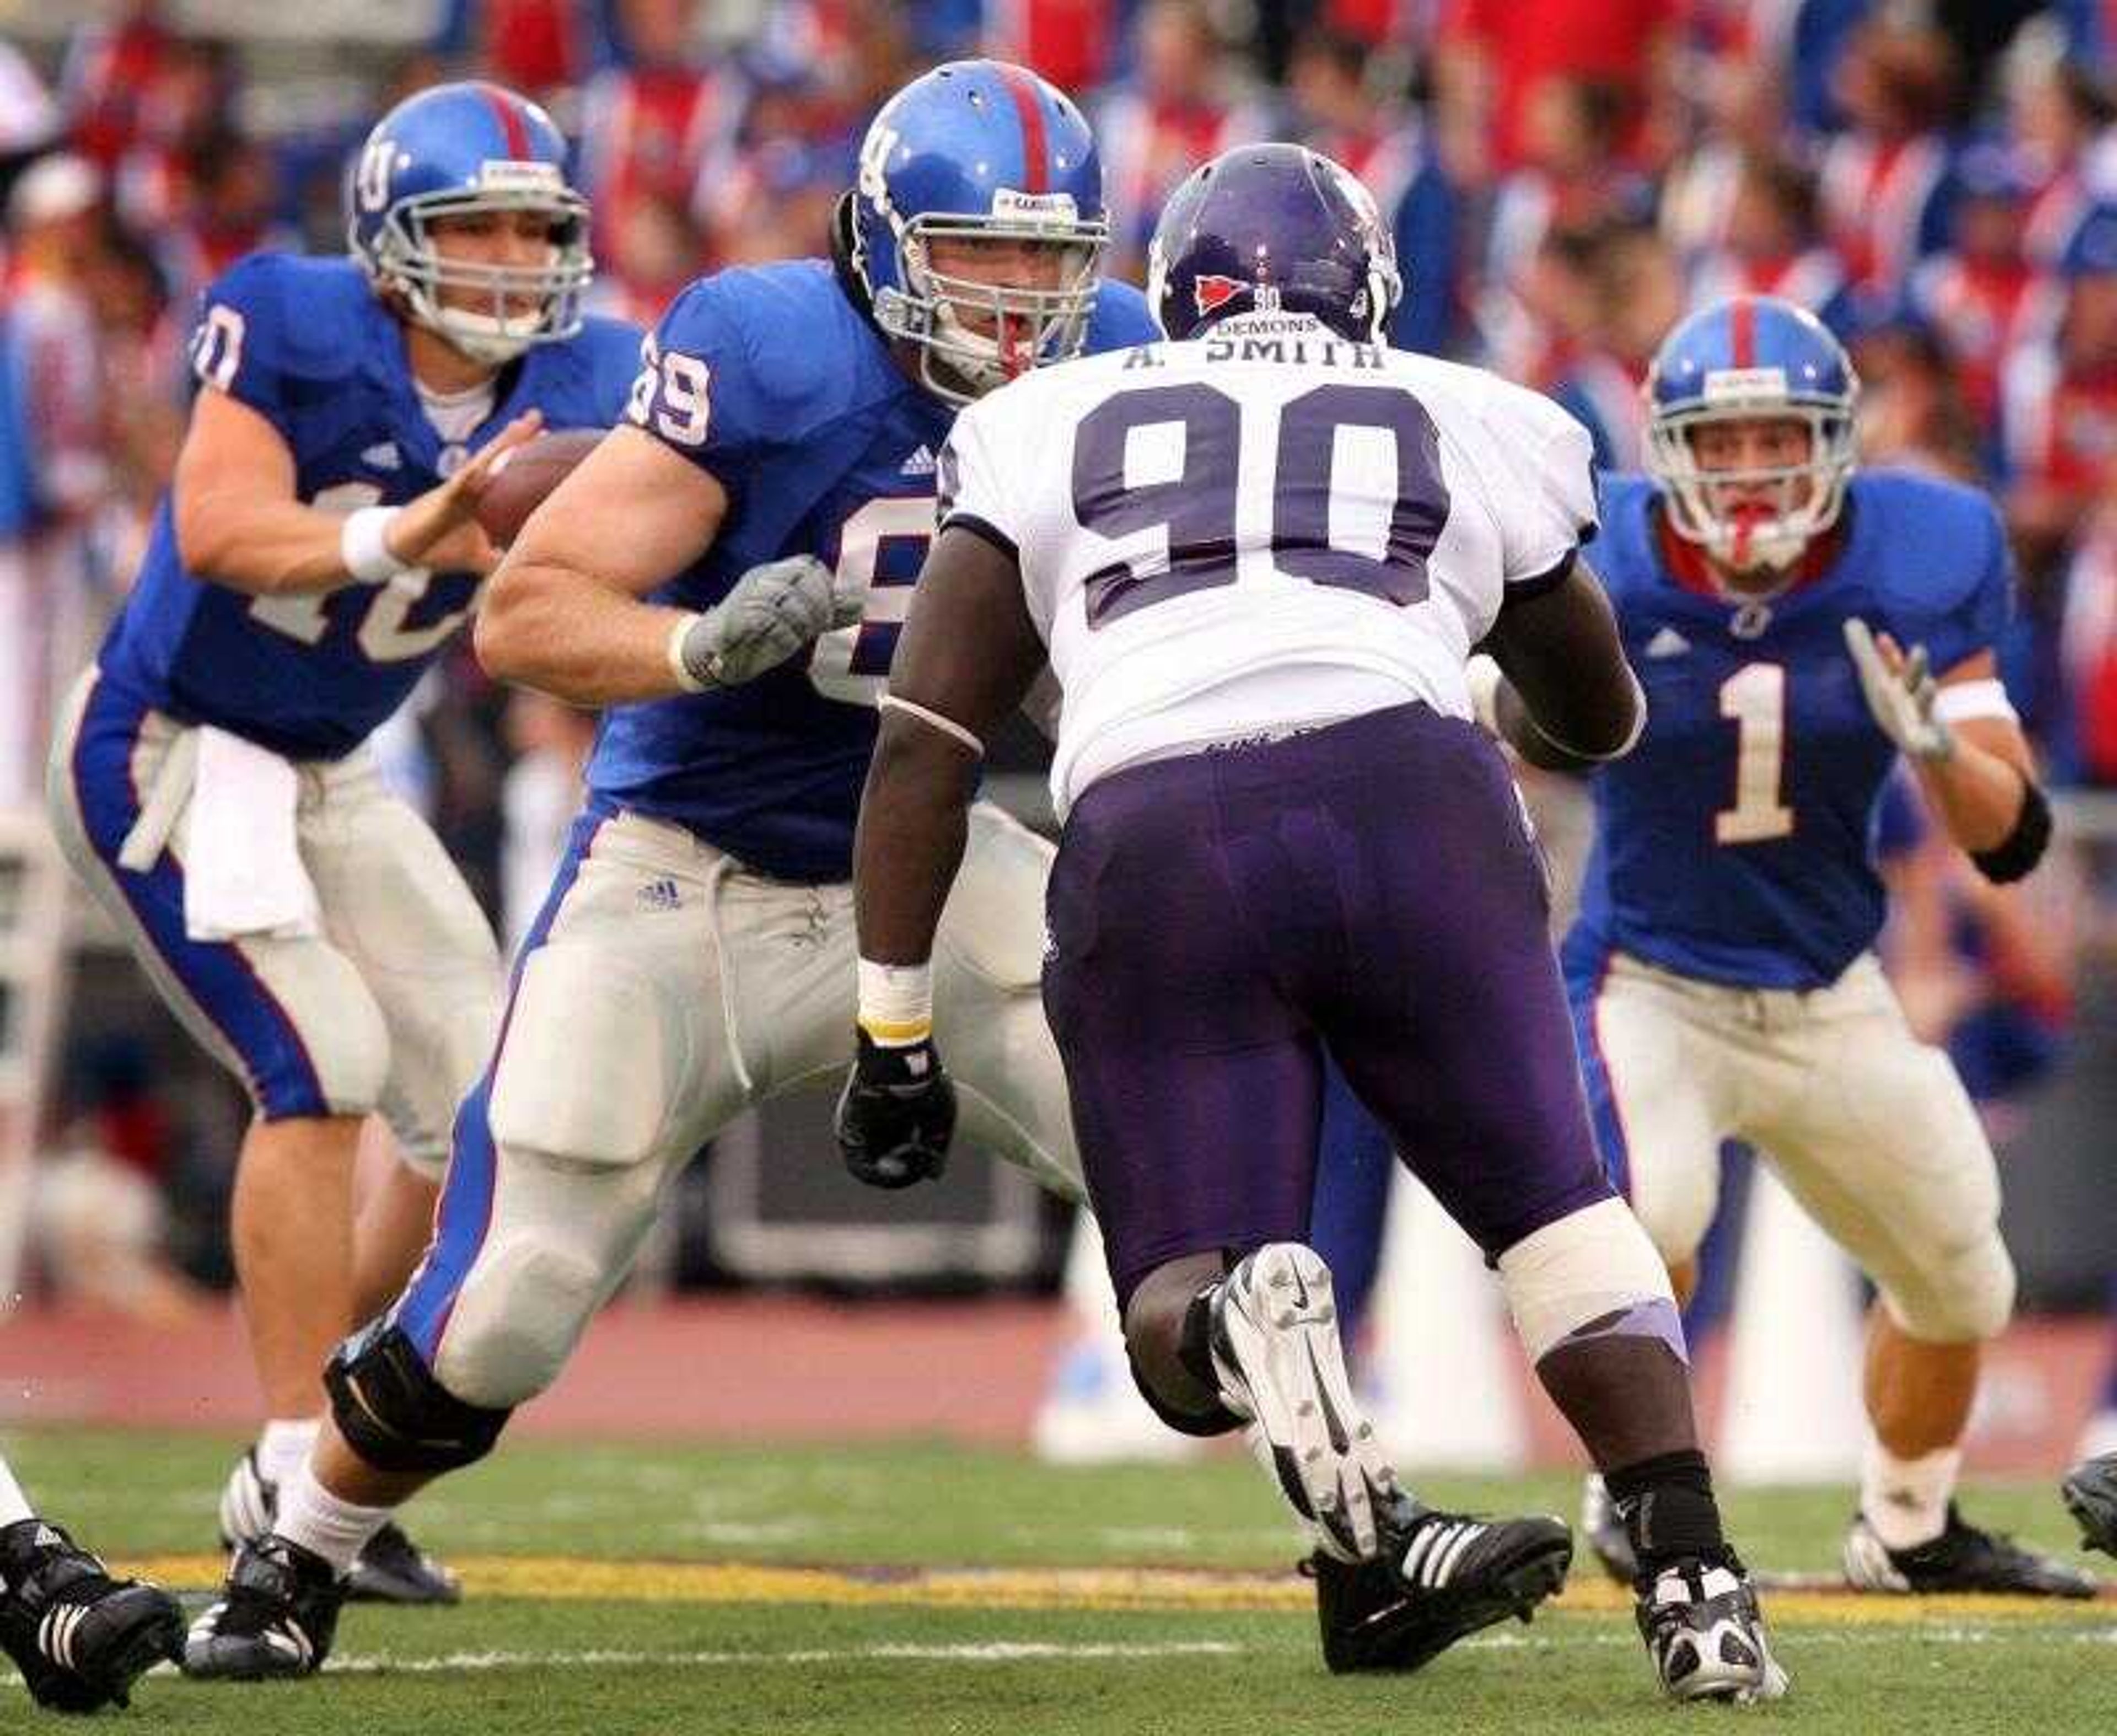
(522, 477)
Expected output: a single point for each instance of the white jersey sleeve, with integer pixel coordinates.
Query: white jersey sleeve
(979, 489)
(1543, 481)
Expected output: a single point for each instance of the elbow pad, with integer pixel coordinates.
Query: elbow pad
(2019, 851)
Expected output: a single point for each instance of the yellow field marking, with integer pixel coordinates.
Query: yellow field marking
(572, 1578)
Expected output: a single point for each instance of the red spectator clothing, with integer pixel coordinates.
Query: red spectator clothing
(1981, 309)
(533, 45)
(1528, 41)
(2088, 647)
(110, 75)
(2059, 425)
(1148, 148)
(646, 133)
(2054, 214)
(1812, 279)
(1878, 200)
(1068, 41)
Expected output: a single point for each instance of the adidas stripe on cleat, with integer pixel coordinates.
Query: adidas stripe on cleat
(1273, 1338)
(1438, 1577)
(277, 1616)
(80, 1637)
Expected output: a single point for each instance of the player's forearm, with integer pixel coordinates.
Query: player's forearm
(913, 824)
(266, 548)
(1976, 793)
(563, 634)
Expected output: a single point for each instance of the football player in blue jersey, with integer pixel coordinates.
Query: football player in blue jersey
(727, 574)
(1798, 628)
(317, 552)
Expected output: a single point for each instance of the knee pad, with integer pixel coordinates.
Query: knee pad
(585, 1071)
(1964, 1296)
(395, 1415)
(1590, 1274)
(521, 1310)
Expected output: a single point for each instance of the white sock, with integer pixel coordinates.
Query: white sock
(312, 1516)
(1905, 1500)
(283, 1448)
(14, 1505)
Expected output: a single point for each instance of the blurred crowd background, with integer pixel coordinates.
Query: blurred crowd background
(1938, 181)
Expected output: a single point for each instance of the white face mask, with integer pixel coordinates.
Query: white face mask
(1806, 498)
(1028, 327)
(512, 307)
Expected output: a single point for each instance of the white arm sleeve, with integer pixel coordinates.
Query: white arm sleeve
(1545, 483)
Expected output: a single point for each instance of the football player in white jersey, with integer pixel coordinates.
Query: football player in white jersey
(1257, 558)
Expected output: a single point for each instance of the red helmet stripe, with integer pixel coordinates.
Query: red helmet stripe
(511, 123)
(1030, 112)
(1743, 330)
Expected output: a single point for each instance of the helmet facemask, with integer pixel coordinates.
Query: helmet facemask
(494, 328)
(1804, 500)
(974, 337)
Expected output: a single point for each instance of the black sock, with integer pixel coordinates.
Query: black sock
(1667, 1506)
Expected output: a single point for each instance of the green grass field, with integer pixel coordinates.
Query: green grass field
(930, 1589)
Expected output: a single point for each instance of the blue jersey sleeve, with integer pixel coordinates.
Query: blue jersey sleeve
(1121, 320)
(1960, 599)
(614, 353)
(697, 389)
(239, 346)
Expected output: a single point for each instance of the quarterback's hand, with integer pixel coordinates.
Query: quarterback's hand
(896, 1114)
(438, 530)
(1901, 691)
(768, 615)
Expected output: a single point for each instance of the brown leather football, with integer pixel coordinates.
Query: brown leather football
(526, 475)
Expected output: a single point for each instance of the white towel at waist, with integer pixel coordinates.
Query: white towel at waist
(242, 856)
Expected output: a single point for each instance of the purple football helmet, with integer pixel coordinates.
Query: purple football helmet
(1272, 226)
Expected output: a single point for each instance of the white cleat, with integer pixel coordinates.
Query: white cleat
(1275, 1345)
(1706, 1635)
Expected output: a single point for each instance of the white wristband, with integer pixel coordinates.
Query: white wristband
(896, 1003)
(677, 667)
(363, 546)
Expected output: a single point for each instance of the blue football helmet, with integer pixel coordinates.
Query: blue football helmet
(458, 150)
(1748, 357)
(978, 150)
(1272, 226)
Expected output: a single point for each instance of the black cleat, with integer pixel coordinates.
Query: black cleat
(276, 1617)
(1705, 1633)
(1438, 1577)
(79, 1636)
(2090, 1491)
(1960, 1558)
(1604, 1528)
(392, 1569)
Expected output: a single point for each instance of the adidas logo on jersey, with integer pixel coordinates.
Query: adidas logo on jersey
(919, 463)
(660, 895)
(382, 457)
(1668, 642)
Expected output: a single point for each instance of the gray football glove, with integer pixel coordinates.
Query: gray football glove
(768, 615)
(1901, 699)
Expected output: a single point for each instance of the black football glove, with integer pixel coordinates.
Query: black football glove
(896, 1114)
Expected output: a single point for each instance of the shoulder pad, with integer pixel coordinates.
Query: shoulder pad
(786, 349)
(1940, 543)
(303, 319)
